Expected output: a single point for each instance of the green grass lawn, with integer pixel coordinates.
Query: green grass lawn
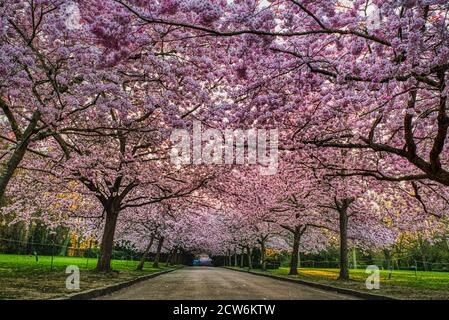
(403, 284)
(21, 277)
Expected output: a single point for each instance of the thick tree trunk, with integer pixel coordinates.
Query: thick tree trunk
(248, 252)
(295, 252)
(145, 254)
(344, 269)
(242, 257)
(158, 252)
(262, 255)
(107, 241)
(18, 154)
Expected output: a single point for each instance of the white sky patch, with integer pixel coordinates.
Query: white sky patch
(72, 12)
(374, 17)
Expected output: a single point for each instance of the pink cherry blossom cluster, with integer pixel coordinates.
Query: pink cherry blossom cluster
(357, 90)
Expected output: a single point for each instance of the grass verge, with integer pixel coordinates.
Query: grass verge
(401, 284)
(22, 277)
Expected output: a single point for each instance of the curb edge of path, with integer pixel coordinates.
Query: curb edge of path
(359, 294)
(102, 291)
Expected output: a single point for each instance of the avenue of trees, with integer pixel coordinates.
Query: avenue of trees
(90, 92)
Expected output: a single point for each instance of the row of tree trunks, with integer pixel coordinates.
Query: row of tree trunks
(228, 258)
(174, 257)
(248, 256)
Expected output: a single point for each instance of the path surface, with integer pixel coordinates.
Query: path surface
(206, 283)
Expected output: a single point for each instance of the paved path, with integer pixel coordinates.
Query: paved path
(206, 283)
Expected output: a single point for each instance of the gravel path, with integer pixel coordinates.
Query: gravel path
(206, 283)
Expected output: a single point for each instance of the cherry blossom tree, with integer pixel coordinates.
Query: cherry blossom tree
(49, 77)
(91, 91)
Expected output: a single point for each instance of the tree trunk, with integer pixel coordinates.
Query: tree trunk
(344, 269)
(387, 257)
(169, 259)
(158, 252)
(423, 253)
(235, 257)
(145, 254)
(107, 241)
(262, 255)
(65, 244)
(18, 154)
(177, 257)
(295, 252)
(248, 252)
(242, 257)
(174, 256)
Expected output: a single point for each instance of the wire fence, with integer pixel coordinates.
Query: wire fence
(22, 254)
(19, 254)
(397, 264)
